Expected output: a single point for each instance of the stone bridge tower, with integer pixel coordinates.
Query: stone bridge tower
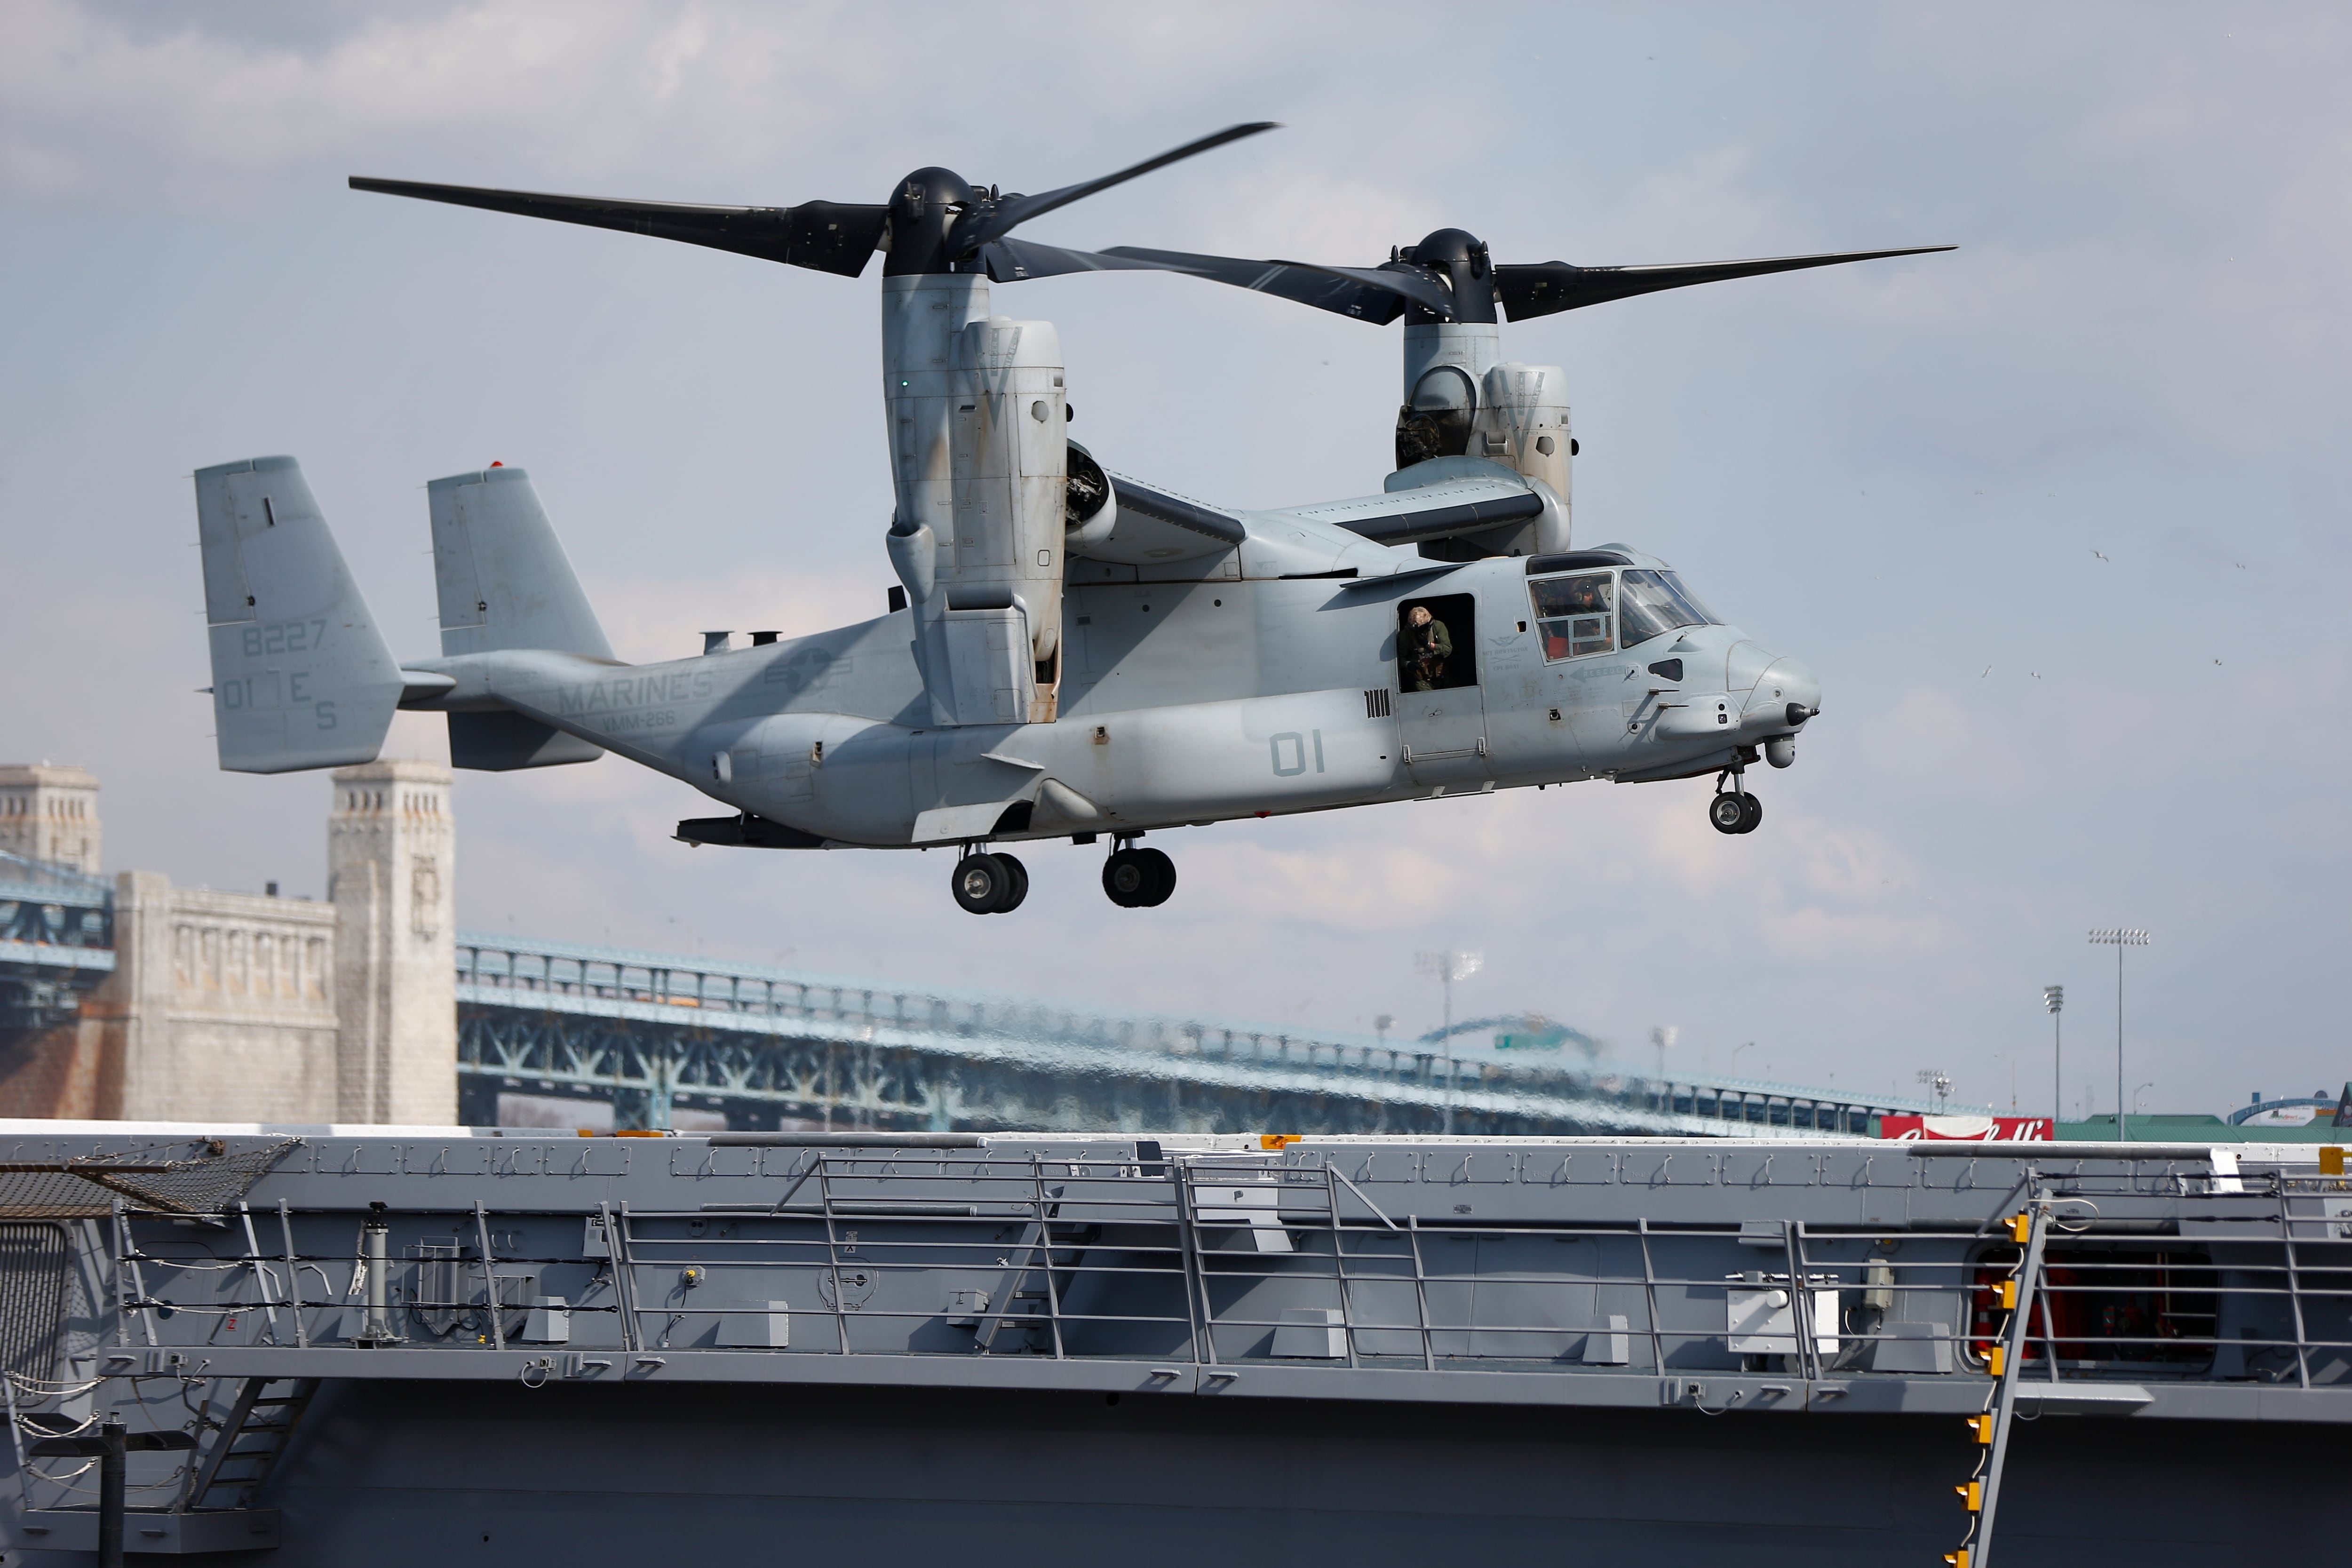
(49, 812)
(389, 867)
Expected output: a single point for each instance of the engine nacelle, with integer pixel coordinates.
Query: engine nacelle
(1522, 420)
(979, 428)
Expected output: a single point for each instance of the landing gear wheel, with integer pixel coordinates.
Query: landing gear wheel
(983, 882)
(1728, 814)
(1752, 813)
(1020, 886)
(1128, 878)
(1163, 878)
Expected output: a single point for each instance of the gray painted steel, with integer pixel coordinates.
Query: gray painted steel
(1060, 665)
(1352, 1350)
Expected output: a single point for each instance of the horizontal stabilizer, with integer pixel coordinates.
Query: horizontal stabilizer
(502, 742)
(301, 677)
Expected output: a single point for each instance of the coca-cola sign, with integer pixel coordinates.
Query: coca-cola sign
(1969, 1128)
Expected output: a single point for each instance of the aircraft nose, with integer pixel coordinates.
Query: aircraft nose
(1786, 695)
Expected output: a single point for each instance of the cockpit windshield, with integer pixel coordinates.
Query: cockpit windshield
(1651, 604)
(1572, 614)
(1599, 612)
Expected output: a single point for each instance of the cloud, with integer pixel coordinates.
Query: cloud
(2139, 349)
(578, 86)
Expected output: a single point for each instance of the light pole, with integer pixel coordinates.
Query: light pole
(1938, 1083)
(1447, 968)
(2053, 998)
(2119, 938)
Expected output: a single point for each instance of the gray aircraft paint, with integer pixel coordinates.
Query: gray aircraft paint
(1222, 697)
(301, 677)
(1152, 663)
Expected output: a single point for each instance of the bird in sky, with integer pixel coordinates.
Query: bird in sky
(2216, 661)
(2035, 673)
(1988, 670)
(2102, 557)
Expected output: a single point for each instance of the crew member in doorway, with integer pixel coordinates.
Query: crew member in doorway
(1427, 646)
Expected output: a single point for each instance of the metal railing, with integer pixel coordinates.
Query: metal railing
(654, 1029)
(1219, 1261)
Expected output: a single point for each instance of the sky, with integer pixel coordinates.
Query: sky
(2059, 518)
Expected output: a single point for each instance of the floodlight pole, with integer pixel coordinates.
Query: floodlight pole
(2054, 997)
(1449, 966)
(1445, 972)
(2119, 938)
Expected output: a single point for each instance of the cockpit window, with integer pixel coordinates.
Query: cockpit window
(1572, 614)
(1655, 603)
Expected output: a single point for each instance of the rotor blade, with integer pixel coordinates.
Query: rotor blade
(1546, 286)
(1014, 260)
(1374, 294)
(829, 236)
(1003, 218)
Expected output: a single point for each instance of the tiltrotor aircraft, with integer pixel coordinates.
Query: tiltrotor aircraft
(1071, 653)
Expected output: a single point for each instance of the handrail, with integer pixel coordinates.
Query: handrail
(1402, 1301)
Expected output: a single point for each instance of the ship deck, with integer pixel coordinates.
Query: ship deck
(1557, 1289)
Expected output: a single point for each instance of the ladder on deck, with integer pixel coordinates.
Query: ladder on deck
(260, 1425)
(1982, 1493)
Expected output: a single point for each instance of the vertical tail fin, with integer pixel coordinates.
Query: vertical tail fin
(506, 582)
(301, 677)
(505, 579)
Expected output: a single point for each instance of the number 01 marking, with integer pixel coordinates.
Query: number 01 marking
(1295, 763)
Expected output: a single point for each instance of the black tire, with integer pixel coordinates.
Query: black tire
(1126, 877)
(1017, 888)
(1163, 878)
(1726, 812)
(1753, 814)
(979, 883)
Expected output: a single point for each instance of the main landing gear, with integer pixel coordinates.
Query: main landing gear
(994, 884)
(1734, 810)
(987, 884)
(1137, 878)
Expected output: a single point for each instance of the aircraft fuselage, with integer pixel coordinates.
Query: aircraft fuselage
(1182, 702)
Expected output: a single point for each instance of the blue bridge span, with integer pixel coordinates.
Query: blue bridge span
(661, 1037)
(555, 1029)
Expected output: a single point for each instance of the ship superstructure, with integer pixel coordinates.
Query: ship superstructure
(395, 1345)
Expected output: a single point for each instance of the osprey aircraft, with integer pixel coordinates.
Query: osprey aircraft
(1069, 653)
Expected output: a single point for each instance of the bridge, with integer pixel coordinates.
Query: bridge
(653, 1040)
(662, 1038)
(57, 941)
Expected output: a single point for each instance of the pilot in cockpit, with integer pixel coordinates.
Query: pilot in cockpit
(1585, 595)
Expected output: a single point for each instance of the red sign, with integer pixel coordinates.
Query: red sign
(1969, 1128)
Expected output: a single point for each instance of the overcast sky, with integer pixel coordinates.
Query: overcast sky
(2059, 519)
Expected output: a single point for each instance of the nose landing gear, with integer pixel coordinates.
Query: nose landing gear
(1137, 878)
(1734, 810)
(987, 884)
